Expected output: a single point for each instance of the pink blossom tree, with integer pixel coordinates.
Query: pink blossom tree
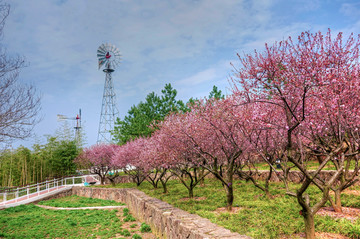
(99, 159)
(334, 117)
(212, 129)
(299, 79)
(128, 158)
(177, 152)
(155, 161)
(267, 144)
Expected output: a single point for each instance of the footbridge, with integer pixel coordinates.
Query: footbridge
(23, 195)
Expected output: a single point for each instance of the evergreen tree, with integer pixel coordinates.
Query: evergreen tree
(143, 116)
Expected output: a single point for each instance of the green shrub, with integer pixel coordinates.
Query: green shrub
(136, 236)
(126, 211)
(129, 218)
(125, 233)
(145, 227)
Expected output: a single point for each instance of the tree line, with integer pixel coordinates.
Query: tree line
(55, 158)
(295, 102)
(23, 166)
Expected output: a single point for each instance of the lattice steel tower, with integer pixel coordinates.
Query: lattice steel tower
(109, 57)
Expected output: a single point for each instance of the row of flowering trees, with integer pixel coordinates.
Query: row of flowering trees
(296, 101)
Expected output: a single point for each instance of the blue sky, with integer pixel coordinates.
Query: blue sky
(188, 43)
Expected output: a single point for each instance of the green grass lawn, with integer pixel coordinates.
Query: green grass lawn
(30, 221)
(76, 201)
(259, 216)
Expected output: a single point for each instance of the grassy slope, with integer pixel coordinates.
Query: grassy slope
(30, 221)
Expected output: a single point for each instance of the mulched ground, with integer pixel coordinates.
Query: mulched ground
(79, 208)
(348, 213)
(322, 235)
(194, 198)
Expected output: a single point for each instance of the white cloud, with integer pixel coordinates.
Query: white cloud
(350, 9)
(186, 43)
(200, 77)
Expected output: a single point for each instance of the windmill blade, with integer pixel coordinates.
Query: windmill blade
(101, 49)
(101, 63)
(117, 61)
(111, 61)
(117, 52)
(100, 56)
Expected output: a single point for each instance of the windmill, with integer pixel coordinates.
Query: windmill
(109, 57)
(77, 127)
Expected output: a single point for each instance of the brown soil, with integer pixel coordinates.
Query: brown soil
(348, 191)
(194, 198)
(324, 235)
(349, 213)
(224, 210)
(318, 235)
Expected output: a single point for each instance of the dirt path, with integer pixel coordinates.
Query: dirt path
(79, 208)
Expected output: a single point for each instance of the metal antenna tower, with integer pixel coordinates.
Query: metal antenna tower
(109, 56)
(77, 127)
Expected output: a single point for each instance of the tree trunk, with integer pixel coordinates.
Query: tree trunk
(191, 192)
(266, 187)
(153, 182)
(337, 204)
(267, 193)
(102, 180)
(309, 225)
(112, 181)
(164, 186)
(229, 196)
(138, 181)
(201, 176)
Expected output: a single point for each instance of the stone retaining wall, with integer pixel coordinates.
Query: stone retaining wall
(165, 220)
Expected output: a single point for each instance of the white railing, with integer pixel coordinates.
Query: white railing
(21, 193)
